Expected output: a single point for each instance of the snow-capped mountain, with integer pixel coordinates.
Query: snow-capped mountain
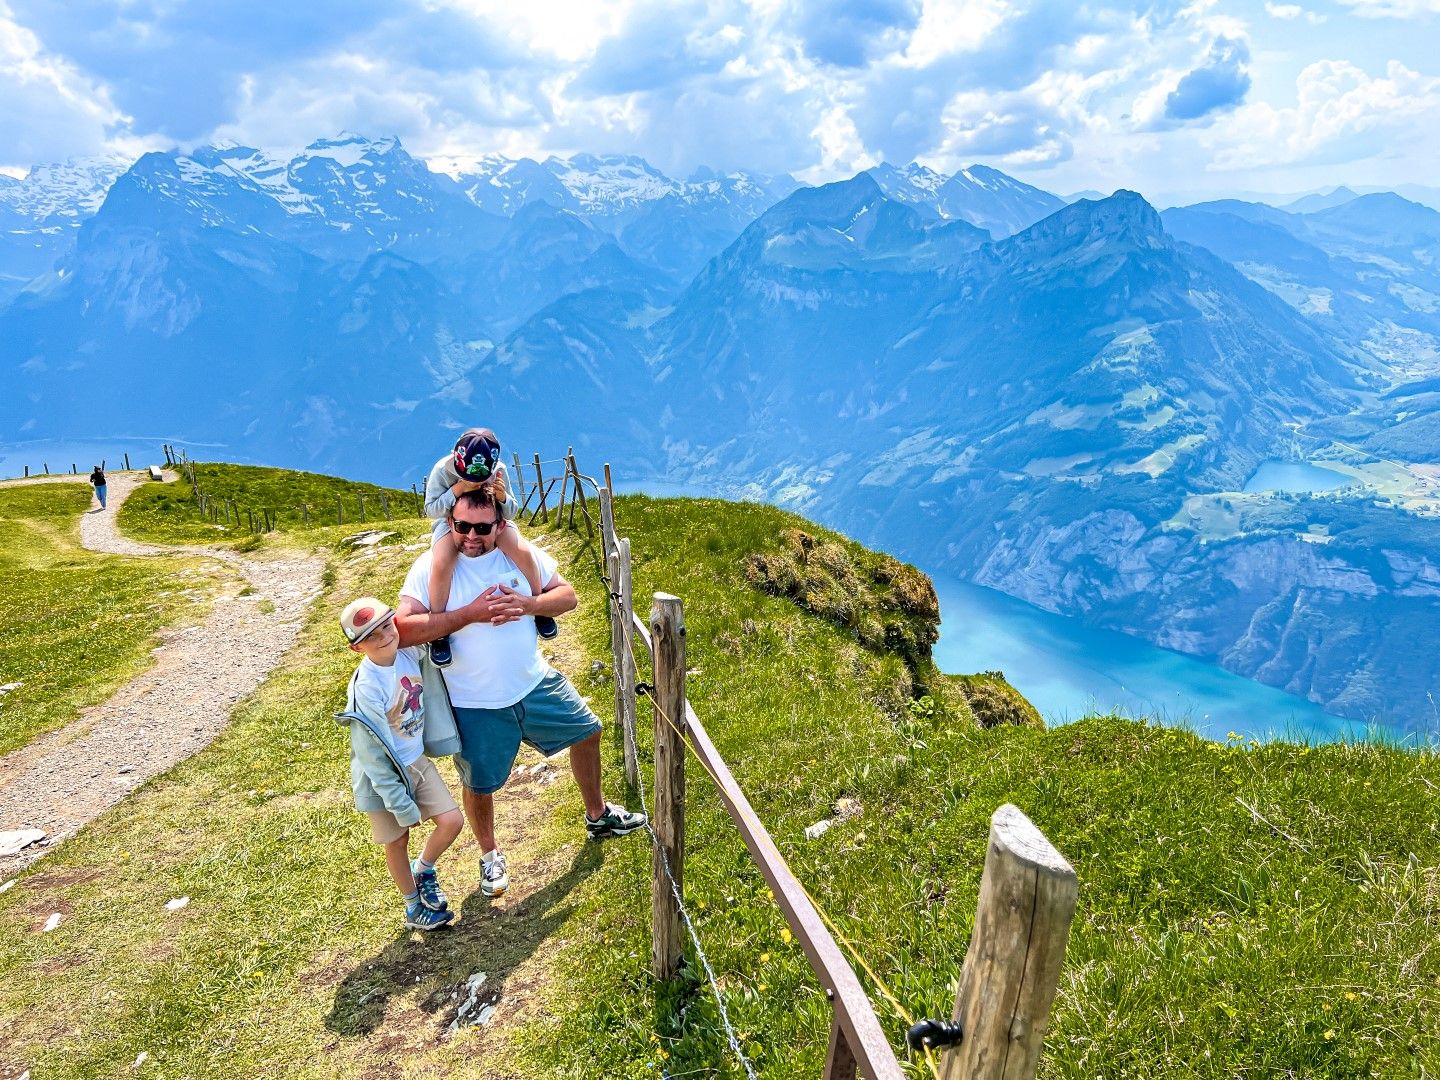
(39, 215)
(979, 195)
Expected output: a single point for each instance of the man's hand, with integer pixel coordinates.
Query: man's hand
(460, 487)
(497, 605)
(523, 605)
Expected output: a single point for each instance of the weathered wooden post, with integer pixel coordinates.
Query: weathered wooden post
(564, 483)
(1012, 968)
(622, 658)
(339, 511)
(607, 516)
(667, 861)
(27, 471)
(74, 471)
(519, 475)
(362, 506)
(47, 467)
(584, 502)
(385, 505)
(127, 462)
(419, 503)
(305, 509)
(540, 487)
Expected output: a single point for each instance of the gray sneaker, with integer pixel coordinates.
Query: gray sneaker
(493, 878)
(615, 821)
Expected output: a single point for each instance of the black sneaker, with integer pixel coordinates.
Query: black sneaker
(546, 627)
(615, 821)
(440, 652)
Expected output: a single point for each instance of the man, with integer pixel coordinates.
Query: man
(502, 690)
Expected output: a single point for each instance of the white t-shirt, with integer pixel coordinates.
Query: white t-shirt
(493, 666)
(394, 694)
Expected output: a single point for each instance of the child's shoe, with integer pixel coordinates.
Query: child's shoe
(420, 917)
(440, 652)
(546, 627)
(431, 895)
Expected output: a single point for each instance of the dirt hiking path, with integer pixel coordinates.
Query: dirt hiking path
(65, 779)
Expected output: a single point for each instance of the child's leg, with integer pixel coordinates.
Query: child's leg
(442, 569)
(397, 861)
(521, 554)
(447, 828)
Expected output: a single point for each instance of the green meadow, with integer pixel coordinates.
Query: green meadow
(1244, 910)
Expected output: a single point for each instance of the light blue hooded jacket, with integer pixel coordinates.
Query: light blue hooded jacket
(378, 779)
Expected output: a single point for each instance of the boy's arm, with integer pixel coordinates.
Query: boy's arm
(441, 490)
(510, 509)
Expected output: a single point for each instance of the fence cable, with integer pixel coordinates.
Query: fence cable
(880, 983)
(679, 900)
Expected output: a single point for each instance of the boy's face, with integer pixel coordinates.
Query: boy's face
(381, 644)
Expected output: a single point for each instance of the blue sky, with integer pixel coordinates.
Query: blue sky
(1173, 99)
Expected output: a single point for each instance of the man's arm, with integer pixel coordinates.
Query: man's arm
(418, 624)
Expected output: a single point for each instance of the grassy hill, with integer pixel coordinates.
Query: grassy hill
(1244, 909)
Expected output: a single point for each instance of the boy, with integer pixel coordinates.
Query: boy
(394, 782)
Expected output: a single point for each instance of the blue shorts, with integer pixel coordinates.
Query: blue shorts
(550, 718)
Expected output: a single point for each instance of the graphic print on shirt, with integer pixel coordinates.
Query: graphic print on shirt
(407, 712)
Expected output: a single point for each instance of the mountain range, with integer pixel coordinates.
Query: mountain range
(1063, 400)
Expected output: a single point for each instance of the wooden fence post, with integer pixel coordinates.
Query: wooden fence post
(27, 471)
(339, 511)
(74, 471)
(362, 506)
(607, 515)
(419, 503)
(520, 497)
(840, 1063)
(584, 502)
(47, 467)
(1012, 968)
(667, 630)
(305, 509)
(540, 487)
(385, 505)
(622, 658)
(127, 462)
(564, 483)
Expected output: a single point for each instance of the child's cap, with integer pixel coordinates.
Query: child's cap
(362, 617)
(476, 455)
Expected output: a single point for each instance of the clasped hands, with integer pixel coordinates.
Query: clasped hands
(499, 605)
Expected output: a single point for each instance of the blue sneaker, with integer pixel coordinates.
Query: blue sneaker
(431, 895)
(419, 917)
(440, 652)
(546, 627)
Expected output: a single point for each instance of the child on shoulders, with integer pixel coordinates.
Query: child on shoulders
(474, 461)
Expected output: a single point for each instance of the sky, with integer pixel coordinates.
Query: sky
(1176, 100)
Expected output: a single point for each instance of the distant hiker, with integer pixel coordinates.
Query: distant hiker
(502, 690)
(395, 784)
(98, 479)
(475, 460)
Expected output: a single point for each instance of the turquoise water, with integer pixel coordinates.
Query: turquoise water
(1295, 476)
(1068, 670)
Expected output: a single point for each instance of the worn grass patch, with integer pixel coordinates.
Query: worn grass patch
(168, 513)
(75, 625)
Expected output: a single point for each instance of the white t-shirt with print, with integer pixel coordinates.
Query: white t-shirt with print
(394, 694)
(493, 667)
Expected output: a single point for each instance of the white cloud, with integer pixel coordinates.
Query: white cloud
(1341, 114)
(1392, 9)
(1283, 11)
(49, 109)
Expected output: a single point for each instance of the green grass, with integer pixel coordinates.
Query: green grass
(76, 625)
(1207, 942)
(168, 513)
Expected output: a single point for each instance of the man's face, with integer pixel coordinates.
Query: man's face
(470, 543)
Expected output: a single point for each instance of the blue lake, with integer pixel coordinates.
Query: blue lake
(1069, 670)
(84, 454)
(1298, 477)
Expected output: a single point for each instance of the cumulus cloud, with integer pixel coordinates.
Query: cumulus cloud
(1341, 114)
(850, 34)
(1219, 84)
(51, 109)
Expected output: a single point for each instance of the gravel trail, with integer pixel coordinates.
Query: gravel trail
(63, 780)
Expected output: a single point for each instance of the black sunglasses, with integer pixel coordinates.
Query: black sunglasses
(480, 528)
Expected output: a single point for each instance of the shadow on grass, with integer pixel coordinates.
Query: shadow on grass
(487, 938)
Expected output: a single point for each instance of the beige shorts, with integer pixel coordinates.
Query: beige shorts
(431, 795)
